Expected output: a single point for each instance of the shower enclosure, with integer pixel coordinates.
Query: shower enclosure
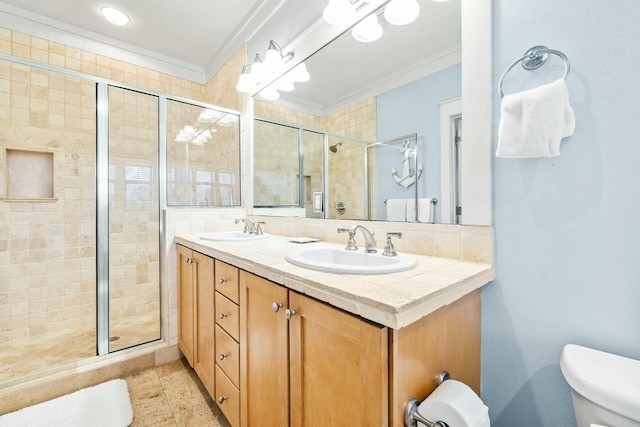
(84, 170)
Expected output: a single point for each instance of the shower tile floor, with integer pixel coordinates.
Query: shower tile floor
(22, 358)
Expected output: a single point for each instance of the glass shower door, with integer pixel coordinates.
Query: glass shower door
(134, 219)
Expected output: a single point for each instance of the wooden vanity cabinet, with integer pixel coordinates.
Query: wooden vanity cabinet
(307, 363)
(196, 321)
(290, 360)
(227, 335)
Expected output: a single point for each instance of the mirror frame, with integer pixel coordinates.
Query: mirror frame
(476, 156)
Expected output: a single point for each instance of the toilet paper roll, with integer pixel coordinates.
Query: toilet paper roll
(456, 404)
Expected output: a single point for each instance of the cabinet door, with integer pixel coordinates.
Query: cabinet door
(204, 354)
(339, 367)
(185, 302)
(264, 360)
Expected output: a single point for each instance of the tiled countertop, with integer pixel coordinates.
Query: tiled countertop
(394, 300)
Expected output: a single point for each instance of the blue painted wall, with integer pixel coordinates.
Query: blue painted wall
(414, 108)
(567, 229)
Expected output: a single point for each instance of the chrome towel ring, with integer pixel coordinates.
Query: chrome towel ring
(534, 58)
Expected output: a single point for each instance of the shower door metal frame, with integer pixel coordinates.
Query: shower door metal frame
(102, 186)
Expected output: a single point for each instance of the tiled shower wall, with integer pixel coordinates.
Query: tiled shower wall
(47, 249)
(346, 165)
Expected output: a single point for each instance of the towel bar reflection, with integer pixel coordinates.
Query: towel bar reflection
(534, 58)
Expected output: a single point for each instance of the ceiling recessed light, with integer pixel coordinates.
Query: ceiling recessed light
(115, 16)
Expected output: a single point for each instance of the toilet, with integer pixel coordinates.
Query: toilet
(605, 387)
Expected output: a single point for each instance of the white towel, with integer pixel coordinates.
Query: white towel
(533, 122)
(426, 211)
(411, 210)
(397, 210)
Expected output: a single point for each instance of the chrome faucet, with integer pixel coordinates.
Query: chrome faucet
(369, 241)
(248, 225)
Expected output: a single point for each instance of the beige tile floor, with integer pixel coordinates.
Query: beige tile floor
(172, 395)
(26, 357)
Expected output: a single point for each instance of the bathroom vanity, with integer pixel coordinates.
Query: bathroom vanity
(276, 344)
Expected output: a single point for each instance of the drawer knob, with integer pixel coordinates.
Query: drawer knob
(288, 313)
(221, 356)
(221, 399)
(222, 280)
(276, 306)
(222, 316)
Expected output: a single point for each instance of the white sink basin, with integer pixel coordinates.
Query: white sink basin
(333, 260)
(232, 236)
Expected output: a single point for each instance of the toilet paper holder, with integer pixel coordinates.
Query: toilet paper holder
(411, 415)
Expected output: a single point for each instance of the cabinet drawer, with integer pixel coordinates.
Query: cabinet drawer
(227, 281)
(227, 398)
(228, 355)
(227, 315)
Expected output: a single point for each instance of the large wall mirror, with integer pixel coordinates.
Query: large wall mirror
(377, 132)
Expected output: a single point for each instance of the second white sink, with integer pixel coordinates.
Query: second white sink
(333, 260)
(232, 236)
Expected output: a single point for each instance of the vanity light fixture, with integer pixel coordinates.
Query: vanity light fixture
(367, 30)
(115, 16)
(339, 12)
(401, 12)
(265, 70)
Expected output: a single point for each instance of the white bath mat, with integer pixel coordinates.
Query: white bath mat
(103, 405)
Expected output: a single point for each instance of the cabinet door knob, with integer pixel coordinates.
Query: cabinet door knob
(276, 306)
(222, 316)
(222, 280)
(189, 260)
(288, 313)
(221, 356)
(221, 399)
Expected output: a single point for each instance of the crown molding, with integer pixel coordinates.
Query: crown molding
(17, 19)
(253, 22)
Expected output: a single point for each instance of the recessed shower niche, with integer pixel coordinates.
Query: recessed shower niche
(29, 175)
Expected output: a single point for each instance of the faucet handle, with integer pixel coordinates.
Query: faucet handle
(389, 249)
(351, 243)
(259, 225)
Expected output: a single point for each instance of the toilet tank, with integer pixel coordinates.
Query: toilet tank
(609, 381)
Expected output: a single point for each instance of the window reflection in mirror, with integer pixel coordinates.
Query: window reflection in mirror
(203, 156)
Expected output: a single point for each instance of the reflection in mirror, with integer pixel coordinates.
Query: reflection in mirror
(409, 81)
(203, 156)
(393, 174)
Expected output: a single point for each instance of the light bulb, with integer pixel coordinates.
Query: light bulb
(273, 57)
(199, 140)
(270, 93)
(285, 83)
(245, 84)
(209, 115)
(300, 73)
(258, 70)
(401, 12)
(115, 16)
(367, 30)
(339, 12)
